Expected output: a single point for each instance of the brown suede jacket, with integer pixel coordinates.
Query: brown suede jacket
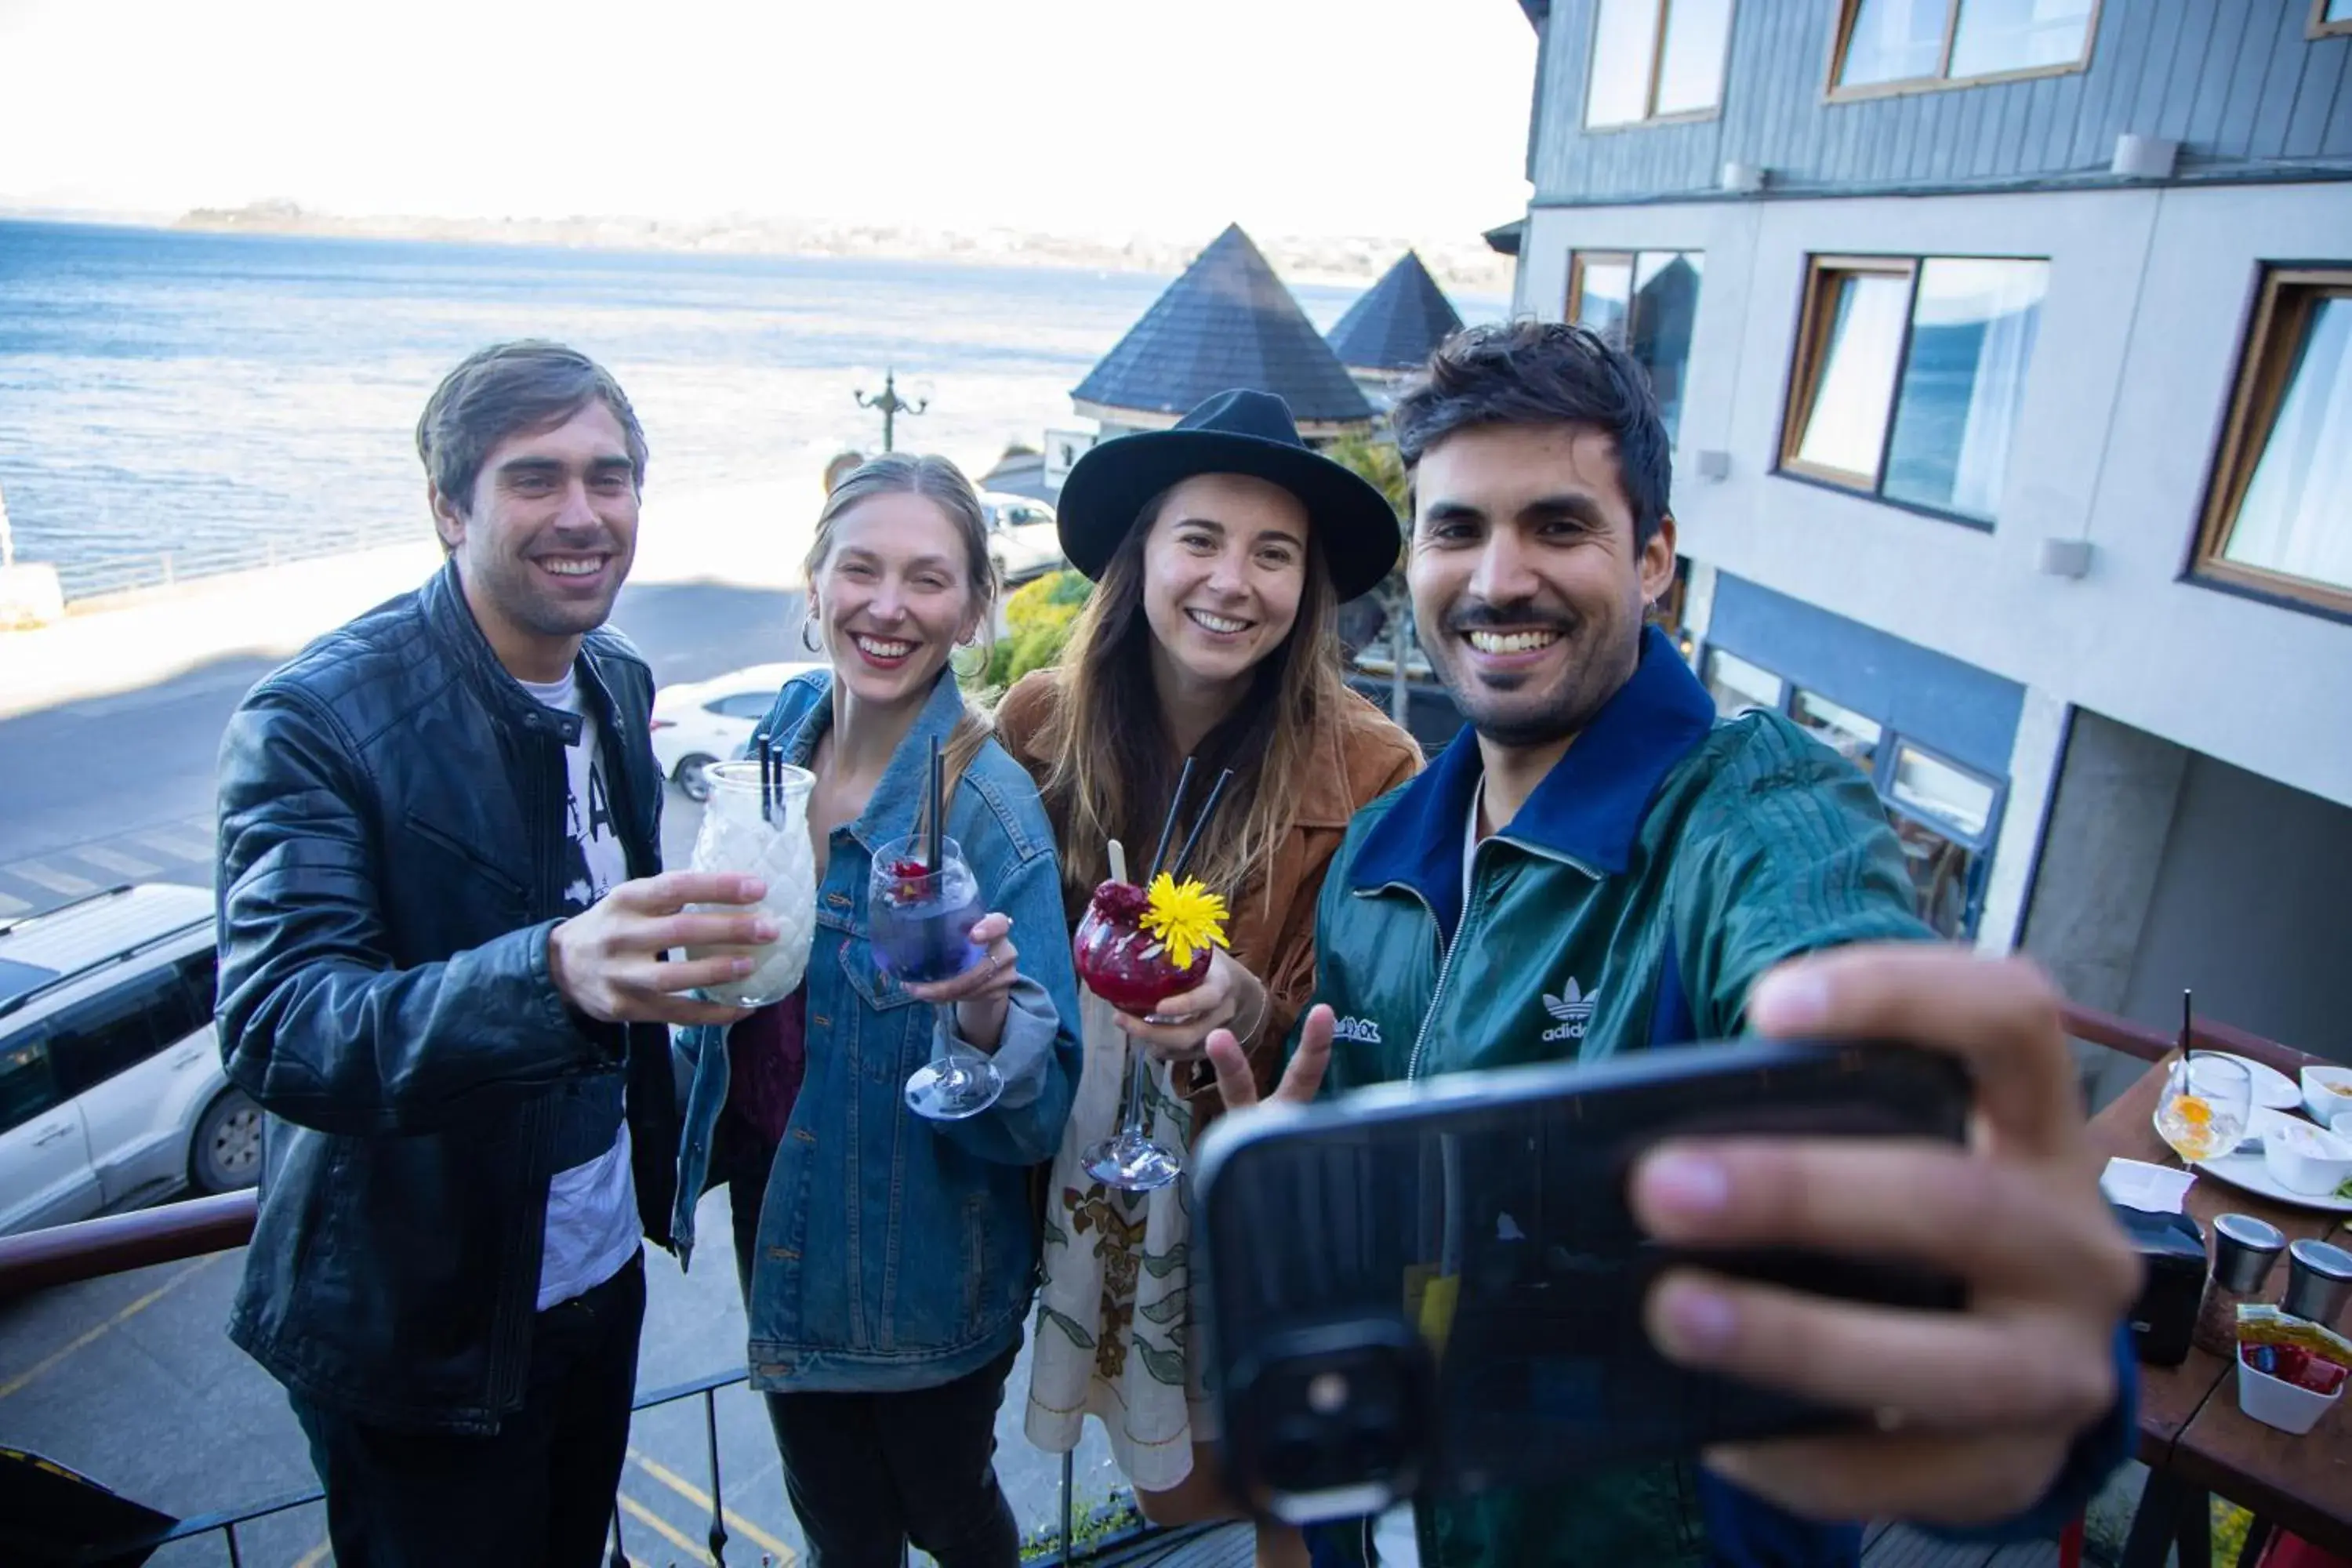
(1361, 756)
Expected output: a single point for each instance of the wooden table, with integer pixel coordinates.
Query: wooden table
(2192, 1437)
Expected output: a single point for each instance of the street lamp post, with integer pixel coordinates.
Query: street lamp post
(892, 406)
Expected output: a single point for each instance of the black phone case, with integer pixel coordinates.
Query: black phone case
(1340, 1239)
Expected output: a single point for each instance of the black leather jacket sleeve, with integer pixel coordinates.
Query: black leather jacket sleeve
(317, 1021)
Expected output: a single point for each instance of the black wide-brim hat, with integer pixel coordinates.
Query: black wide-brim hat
(1239, 432)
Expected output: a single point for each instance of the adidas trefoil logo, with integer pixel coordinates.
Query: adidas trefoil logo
(1573, 1010)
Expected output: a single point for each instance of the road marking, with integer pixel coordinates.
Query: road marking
(51, 1362)
(178, 846)
(784, 1555)
(122, 865)
(9, 906)
(323, 1552)
(55, 880)
(663, 1528)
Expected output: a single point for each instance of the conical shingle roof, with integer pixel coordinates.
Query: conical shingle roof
(1397, 322)
(1227, 322)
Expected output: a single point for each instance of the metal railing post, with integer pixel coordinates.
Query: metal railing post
(717, 1498)
(1069, 1472)
(620, 1558)
(235, 1560)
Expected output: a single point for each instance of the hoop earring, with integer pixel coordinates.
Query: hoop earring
(808, 636)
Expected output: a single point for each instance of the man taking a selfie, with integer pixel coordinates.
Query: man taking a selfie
(1597, 864)
(443, 974)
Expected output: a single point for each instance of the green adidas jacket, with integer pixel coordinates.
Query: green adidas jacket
(1664, 864)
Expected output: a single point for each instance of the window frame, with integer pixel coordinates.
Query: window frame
(1659, 13)
(1631, 261)
(37, 1040)
(718, 706)
(2258, 386)
(2321, 27)
(1577, 262)
(1805, 366)
(1842, 35)
(1880, 776)
(152, 989)
(1804, 387)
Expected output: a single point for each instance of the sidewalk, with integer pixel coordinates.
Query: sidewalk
(749, 535)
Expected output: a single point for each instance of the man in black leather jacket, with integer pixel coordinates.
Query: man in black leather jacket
(442, 935)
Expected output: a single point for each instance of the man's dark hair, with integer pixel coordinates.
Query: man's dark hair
(529, 385)
(1543, 373)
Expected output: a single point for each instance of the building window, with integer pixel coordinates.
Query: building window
(1646, 300)
(1842, 729)
(1736, 685)
(2280, 515)
(1905, 45)
(2330, 16)
(1944, 815)
(1908, 376)
(1656, 60)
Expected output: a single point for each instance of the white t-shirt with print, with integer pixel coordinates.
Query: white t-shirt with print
(593, 1227)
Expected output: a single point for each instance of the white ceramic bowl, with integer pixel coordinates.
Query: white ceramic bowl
(2274, 1401)
(2303, 1159)
(2326, 1093)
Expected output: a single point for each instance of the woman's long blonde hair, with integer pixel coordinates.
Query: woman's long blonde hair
(1111, 769)
(941, 483)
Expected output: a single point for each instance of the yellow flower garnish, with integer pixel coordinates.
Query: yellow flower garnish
(1184, 915)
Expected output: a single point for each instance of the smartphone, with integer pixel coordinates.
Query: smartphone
(1437, 1286)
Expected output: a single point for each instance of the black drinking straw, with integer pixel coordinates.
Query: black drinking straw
(1208, 808)
(2186, 1027)
(1168, 828)
(767, 795)
(933, 851)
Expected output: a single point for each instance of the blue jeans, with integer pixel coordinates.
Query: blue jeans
(869, 1472)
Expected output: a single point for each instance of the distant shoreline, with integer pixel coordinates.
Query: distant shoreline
(1463, 266)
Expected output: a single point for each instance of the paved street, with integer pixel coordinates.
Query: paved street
(131, 1380)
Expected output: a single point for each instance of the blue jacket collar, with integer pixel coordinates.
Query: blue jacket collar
(1588, 809)
(897, 805)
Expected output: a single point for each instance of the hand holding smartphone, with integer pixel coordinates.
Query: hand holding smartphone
(1439, 1286)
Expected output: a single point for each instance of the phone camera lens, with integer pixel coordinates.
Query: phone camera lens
(1327, 1394)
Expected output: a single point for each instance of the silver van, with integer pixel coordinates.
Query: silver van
(112, 1092)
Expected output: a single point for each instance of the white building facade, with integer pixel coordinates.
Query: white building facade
(2013, 457)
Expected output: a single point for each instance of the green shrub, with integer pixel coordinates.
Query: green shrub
(1037, 620)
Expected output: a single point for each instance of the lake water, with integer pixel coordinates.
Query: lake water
(196, 392)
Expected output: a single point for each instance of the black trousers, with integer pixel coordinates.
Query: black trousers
(867, 1473)
(536, 1494)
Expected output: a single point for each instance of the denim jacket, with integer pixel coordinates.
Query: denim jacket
(896, 1253)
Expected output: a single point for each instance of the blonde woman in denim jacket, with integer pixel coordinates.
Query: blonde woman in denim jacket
(887, 1262)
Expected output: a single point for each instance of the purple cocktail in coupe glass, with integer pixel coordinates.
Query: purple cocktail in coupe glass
(918, 925)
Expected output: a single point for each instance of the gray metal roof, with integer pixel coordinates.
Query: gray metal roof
(1397, 321)
(1227, 322)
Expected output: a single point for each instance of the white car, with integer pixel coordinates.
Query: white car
(111, 1082)
(1023, 539)
(704, 721)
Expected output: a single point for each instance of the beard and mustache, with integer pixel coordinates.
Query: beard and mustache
(1503, 710)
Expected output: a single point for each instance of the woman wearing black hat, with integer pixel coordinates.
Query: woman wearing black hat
(1221, 549)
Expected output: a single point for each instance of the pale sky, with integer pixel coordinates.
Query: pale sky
(1081, 117)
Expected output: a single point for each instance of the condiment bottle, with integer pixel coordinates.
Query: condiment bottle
(2243, 1250)
(2318, 1282)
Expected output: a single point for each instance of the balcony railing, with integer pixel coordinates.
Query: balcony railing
(66, 1254)
(123, 574)
(93, 1249)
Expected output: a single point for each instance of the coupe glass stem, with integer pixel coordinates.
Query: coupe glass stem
(1138, 1065)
